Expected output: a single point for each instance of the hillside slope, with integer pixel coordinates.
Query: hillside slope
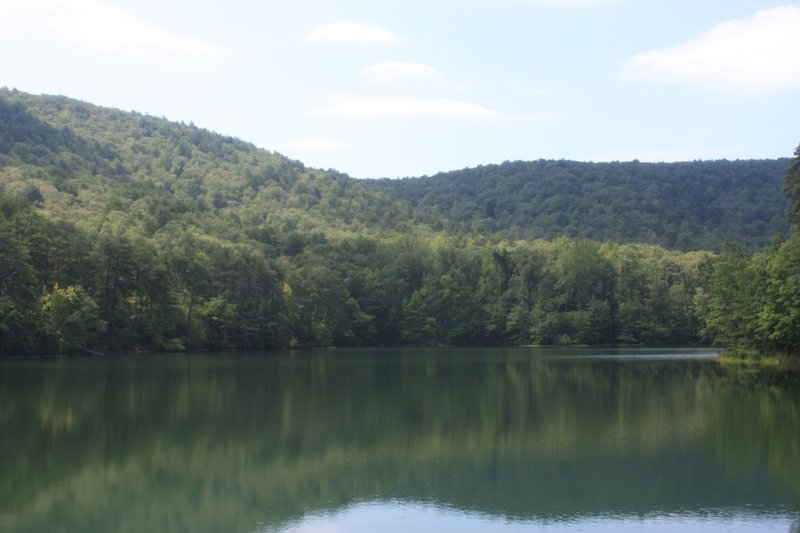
(688, 206)
(121, 231)
(73, 156)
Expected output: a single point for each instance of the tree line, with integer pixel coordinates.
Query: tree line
(68, 289)
(120, 231)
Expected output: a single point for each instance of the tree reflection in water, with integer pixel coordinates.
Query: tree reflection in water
(237, 442)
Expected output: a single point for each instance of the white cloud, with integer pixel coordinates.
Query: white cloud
(350, 33)
(106, 28)
(312, 145)
(760, 53)
(382, 107)
(391, 72)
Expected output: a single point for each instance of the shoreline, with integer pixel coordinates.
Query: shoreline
(775, 362)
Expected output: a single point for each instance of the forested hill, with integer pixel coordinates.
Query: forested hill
(71, 155)
(76, 158)
(120, 231)
(688, 206)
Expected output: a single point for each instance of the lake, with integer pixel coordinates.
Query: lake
(397, 440)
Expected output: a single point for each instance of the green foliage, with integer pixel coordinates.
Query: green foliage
(753, 302)
(71, 317)
(126, 232)
(20, 318)
(736, 291)
(689, 206)
(791, 186)
(753, 305)
(779, 318)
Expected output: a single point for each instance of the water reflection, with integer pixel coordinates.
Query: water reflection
(250, 442)
(398, 517)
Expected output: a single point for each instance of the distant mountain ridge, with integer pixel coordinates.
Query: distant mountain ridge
(690, 205)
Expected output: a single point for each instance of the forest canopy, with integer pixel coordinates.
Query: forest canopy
(122, 231)
(695, 205)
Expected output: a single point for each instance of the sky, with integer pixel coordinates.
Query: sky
(378, 88)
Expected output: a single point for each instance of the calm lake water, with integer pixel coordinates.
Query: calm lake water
(398, 440)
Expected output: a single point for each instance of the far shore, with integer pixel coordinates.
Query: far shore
(775, 361)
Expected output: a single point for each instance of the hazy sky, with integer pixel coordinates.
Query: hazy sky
(380, 88)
